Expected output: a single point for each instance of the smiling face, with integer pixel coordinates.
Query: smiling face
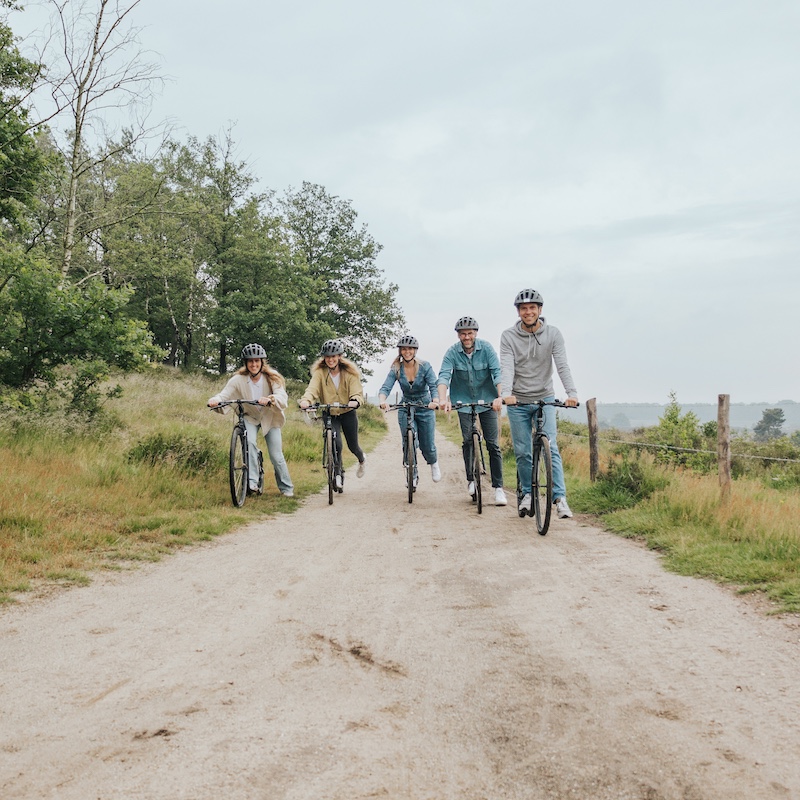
(253, 366)
(467, 339)
(408, 353)
(332, 362)
(529, 314)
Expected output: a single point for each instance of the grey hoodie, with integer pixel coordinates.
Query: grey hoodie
(526, 362)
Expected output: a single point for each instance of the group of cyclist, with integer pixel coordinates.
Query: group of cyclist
(471, 372)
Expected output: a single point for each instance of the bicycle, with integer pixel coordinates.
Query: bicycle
(410, 446)
(541, 470)
(476, 441)
(330, 456)
(239, 462)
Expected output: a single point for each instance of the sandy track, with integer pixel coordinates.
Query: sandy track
(381, 650)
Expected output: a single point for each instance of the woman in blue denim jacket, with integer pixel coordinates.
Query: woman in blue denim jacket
(418, 383)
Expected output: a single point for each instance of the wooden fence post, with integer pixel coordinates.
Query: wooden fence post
(724, 444)
(594, 454)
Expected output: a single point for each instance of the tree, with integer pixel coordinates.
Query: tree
(21, 162)
(770, 426)
(681, 434)
(102, 67)
(352, 300)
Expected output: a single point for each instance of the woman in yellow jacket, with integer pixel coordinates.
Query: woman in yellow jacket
(334, 379)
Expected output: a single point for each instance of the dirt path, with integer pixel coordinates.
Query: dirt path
(381, 650)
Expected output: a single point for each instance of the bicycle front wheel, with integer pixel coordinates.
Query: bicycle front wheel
(329, 464)
(542, 483)
(238, 466)
(411, 463)
(477, 468)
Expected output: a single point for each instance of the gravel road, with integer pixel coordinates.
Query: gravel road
(376, 649)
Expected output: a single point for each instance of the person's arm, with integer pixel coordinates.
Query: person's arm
(313, 390)
(386, 389)
(443, 381)
(355, 391)
(279, 397)
(228, 393)
(507, 365)
(564, 373)
(494, 371)
(429, 376)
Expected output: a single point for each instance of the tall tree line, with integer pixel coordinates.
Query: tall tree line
(113, 256)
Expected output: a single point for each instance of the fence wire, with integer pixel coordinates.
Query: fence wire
(684, 449)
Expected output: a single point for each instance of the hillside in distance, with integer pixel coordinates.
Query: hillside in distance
(627, 416)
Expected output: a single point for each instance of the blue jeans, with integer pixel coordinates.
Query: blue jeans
(424, 425)
(275, 449)
(489, 426)
(522, 421)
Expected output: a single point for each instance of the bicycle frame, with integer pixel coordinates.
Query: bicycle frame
(410, 446)
(541, 468)
(239, 460)
(331, 455)
(476, 444)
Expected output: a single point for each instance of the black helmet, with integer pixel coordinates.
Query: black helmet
(528, 296)
(253, 351)
(407, 341)
(333, 347)
(467, 324)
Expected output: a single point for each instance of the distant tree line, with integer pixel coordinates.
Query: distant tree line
(113, 256)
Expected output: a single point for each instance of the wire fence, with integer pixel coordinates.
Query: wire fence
(683, 449)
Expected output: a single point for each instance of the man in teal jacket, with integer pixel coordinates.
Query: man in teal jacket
(471, 371)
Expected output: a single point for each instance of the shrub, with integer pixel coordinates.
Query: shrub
(193, 452)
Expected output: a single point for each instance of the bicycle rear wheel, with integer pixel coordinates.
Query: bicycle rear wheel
(542, 483)
(328, 458)
(411, 463)
(477, 467)
(239, 471)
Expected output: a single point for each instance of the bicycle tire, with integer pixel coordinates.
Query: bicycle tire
(329, 464)
(542, 483)
(477, 467)
(411, 462)
(238, 466)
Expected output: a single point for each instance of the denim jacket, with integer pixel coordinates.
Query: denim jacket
(471, 379)
(423, 390)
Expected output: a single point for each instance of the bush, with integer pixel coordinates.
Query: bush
(195, 452)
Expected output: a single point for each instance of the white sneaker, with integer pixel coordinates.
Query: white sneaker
(562, 509)
(360, 470)
(499, 496)
(471, 489)
(288, 493)
(338, 482)
(524, 505)
(436, 473)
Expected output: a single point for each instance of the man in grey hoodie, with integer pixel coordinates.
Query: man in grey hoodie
(527, 353)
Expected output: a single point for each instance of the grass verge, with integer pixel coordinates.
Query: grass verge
(151, 477)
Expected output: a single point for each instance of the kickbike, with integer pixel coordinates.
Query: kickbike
(331, 457)
(239, 462)
(410, 446)
(541, 468)
(477, 463)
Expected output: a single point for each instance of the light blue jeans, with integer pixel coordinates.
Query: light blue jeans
(275, 449)
(522, 421)
(425, 425)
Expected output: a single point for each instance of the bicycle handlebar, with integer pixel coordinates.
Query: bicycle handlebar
(540, 403)
(235, 402)
(395, 406)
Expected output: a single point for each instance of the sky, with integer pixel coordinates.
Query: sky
(635, 161)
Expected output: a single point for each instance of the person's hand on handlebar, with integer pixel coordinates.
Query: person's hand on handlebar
(434, 404)
(510, 400)
(304, 404)
(497, 404)
(572, 402)
(267, 400)
(213, 403)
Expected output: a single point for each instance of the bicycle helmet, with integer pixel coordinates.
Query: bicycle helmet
(408, 341)
(253, 351)
(467, 324)
(528, 296)
(333, 347)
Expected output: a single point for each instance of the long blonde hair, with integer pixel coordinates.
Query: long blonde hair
(344, 364)
(273, 376)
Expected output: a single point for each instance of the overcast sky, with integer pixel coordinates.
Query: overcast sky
(636, 162)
